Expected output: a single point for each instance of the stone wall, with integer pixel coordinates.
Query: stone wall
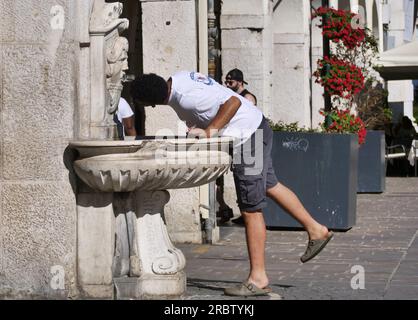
(247, 45)
(37, 103)
(291, 68)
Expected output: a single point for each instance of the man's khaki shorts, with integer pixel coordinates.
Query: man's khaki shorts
(253, 169)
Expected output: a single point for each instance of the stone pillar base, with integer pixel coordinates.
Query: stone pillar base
(94, 291)
(150, 287)
(163, 286)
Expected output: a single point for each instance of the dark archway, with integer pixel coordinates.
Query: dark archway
(132, 11)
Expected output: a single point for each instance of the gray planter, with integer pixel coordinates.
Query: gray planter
(322, 170)
(371, 163)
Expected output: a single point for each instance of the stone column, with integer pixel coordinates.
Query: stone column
(95, 244)
(354, 6)
(333, 4)
(247, 45)
(292, 63)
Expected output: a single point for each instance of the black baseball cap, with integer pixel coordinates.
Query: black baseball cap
(236, 74)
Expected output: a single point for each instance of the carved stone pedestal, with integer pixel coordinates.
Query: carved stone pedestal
(136, 257)
(160, 263)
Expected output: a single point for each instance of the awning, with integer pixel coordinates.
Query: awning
(400, 63)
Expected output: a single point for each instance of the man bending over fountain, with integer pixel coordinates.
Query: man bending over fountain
(210, 109)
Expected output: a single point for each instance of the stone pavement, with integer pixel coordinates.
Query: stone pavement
(383, 243)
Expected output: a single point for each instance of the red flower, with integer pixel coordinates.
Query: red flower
(345, 122)
(337, 27)
(344, 79)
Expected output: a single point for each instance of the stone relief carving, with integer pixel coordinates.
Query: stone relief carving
(105, 22)
(111, 12)
(105, 18)
(117, 64)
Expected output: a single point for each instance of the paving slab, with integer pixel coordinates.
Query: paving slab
(384, 243)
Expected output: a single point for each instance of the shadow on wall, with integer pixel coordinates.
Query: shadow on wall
(69, 156)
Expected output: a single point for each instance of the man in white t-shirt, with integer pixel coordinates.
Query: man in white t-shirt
(125, 119)
(209, 109)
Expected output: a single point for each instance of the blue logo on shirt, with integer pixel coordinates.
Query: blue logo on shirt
(200, 77)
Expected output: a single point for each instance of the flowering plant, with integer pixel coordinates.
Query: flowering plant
(339, 26)
(339, 77)
(342, 121)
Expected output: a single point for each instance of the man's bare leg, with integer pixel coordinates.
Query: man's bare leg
(255, 231)
(291, 203)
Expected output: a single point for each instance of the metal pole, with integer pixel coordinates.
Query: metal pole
(326, 53)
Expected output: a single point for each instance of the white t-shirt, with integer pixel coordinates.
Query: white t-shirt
(124, 111)
(196, 99)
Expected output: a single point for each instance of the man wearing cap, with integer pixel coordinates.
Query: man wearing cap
(211, 109)
(235, 81)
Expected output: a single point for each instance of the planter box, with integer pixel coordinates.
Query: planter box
(322, 171)
(371, 163)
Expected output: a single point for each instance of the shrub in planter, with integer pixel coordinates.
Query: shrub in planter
(342, 121)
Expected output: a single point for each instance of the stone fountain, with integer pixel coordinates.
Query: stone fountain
(124, 186)
(123, 248)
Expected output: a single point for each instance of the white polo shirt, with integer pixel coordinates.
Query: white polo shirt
(196, 99)
(124, 111)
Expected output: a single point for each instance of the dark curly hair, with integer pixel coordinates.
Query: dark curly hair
(149, 89)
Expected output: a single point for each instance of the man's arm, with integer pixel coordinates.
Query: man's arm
(225, 113)
(129, 126)
(250, 97)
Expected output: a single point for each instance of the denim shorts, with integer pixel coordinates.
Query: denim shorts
(253, 169)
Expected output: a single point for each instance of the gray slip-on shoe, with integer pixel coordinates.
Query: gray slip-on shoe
(315, 247)
(247, 289)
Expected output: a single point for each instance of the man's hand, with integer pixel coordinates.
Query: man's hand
(197, 133)
(225, 113)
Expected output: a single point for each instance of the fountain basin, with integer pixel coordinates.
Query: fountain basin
(151, 164)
